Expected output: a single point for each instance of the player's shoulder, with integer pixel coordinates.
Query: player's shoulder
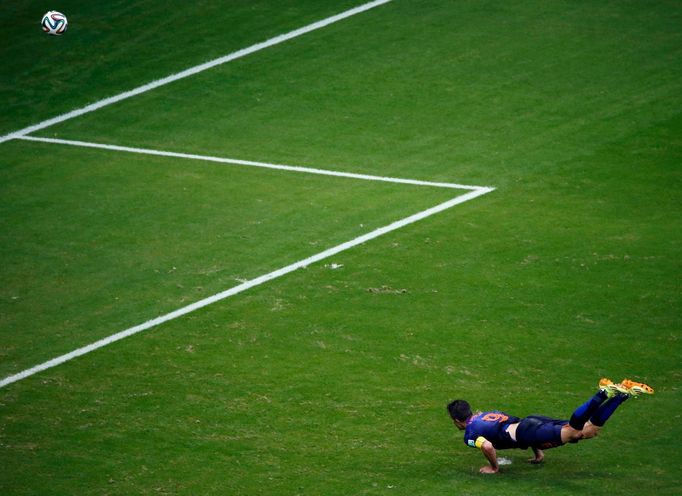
(494, 415)
(487, 415)
(474, 427)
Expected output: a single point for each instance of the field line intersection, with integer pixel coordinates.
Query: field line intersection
(470, 192)
(473, 192)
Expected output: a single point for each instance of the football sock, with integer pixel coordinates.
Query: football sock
(607, 409)
(586, 410)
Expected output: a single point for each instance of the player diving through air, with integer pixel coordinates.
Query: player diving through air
(494, 430)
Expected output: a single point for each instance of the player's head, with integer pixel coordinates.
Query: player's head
(459, 411)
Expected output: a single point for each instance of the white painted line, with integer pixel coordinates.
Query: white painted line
(195, 70)
(208, 158)
(244, 286)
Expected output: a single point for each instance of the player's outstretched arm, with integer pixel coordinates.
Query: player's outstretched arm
(489, 451)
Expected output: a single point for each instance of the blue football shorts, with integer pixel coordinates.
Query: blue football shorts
(536, 431)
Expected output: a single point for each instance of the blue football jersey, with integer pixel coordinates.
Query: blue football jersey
(491, 426)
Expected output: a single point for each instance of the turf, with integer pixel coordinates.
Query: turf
(89, 280)
(335, 381)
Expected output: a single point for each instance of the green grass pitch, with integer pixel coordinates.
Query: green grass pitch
(335, 381)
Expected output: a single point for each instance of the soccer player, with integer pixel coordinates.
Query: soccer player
(493, 430)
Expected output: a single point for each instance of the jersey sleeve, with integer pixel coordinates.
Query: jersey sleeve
(475, 443)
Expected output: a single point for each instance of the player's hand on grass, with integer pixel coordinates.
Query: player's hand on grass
(539, 457)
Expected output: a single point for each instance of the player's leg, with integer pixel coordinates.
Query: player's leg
(583, 413)
(597, 421)
(619, 394)
(545, 432)
(573, 432)
(607, 409)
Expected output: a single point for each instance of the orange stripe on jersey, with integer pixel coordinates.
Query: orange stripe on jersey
(494, 417)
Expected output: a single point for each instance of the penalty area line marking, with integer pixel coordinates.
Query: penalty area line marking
(246, 285)
(195, 70)
(265, 165)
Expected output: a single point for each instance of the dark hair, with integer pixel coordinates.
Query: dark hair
(459, 410)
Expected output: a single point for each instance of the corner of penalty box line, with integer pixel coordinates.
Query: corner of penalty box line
(11, 137)
(477, 190)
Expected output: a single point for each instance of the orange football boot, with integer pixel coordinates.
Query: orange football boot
(611, 388)
(637, 388)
